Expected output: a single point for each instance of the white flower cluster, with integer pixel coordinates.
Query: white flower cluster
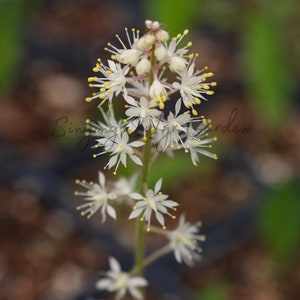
(138, 73)
(157, 80)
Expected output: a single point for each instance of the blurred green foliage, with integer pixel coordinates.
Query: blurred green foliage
(279, 222)
(266, 67)
(214, 290)
(12, 17)
(175, 15)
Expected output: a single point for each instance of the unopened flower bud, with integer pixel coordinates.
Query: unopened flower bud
(177, 64)
(148, 24)
(146, 42)
(160, 53)
(162, 35)
(143, 66)
(130, 57)
(155, 25)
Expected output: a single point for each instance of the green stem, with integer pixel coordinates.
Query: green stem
(140, 226)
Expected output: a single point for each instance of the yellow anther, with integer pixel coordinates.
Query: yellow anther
(108, 44)
(191, 55)
(90, 79)
(179, 35)
(113, 57)
(115, 173)
(210, 92)
(77, 181)
(189, 104)
(144, 138)
(186, 32)
(106, 84)
(82, 213)
(161, 105)
(102, 90)
(215, 138)
(194, 112)
(148, 229)
(163, 98)
(95, 69)
(117, 35)
(87, 121)
(206, 87)
(173, 217)
(102, 96)
(189, 44)
(141, 219)
(215, 156)
(88, 99)
(109, 91)
(164, 227)
(213, 83)
(108, 72)
(94, 155)
(197, 100)
(210, 74)
(186, 151)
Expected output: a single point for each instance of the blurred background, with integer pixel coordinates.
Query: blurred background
(248, 200)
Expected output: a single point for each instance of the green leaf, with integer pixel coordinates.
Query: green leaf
(280, 223)
(267, 72)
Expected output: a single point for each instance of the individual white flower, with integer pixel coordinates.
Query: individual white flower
(119, 149)
(176, 55)
(112, 82)
(197, 140)
(153, 202)
(193, 86)
(141, 113)
(97, 198)
(129, 55)
(158, 92)
(183, 241)
(123, 187)
(121, 282)
(173, 128)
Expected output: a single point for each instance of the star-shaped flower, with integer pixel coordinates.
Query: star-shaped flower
(153, 202)
(183, 241)
(141, 113)
(121, 282)
(97, 198)
(119, 148)
(193, 86)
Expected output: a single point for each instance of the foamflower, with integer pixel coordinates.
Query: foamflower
(121, 282)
